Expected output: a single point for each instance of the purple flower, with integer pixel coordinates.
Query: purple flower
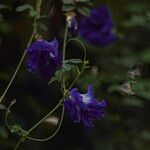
(72, 24)
(43, 57)
(97, 29)
(84, 107)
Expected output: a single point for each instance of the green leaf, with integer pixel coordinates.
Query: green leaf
(68, 8)
(84, 10)
(2, 107)
(24, 7)
(67, 67)
(53, 79)
(74, 61)
(68, 1)
(43, 26)
(15, 128)
(32, 13)
(59, 75)
(142, 89)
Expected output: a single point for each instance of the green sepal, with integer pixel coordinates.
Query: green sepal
(68, 8)
(84, 10)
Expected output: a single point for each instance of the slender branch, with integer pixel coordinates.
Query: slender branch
(25, 52)
(35, 25)
(64, 42)
(42, 120)
(83, 46)
(84, 63)
(46, 139)
(64, 94)
(64, 52)
(7, 113)
(18, 144)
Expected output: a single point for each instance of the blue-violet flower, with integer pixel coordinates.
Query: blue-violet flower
(97, 29)
(72, 23)
(84, 107)
(43, 57)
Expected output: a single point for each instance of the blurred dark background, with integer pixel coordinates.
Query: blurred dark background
(127, 122)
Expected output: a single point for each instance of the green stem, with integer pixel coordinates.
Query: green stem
(42, 120)
(46, 139)
(64, 53)
(18, 144)
(72, 84)
(21, 60)
(83, 46)
(64, 94)
(64, 42)
(84, 63)
(35, 25)
(7, 113)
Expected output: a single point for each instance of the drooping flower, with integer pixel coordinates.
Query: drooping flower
(97, 29)
(84, 108)
(43, 57)
(72, 23)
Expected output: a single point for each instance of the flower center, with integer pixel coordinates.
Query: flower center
(85, 98)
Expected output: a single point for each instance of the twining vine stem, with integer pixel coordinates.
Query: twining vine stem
(42, 120)
(46, 139)
(34, 32)
(17, 145)
(64, 53)
(60, 102)
(65, 91)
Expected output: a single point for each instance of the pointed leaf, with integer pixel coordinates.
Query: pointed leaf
(84, 10)
(68, 8)
(24, 7)
(53, 79)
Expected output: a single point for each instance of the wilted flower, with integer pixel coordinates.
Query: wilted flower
(97, 29)
(84, 107)
(127, 89)
(134, 73)
(72, 23)
(43, 57)
(52, 120)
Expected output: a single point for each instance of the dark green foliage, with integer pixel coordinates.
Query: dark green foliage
(32, 11)
(127, 122)
(82, 6)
